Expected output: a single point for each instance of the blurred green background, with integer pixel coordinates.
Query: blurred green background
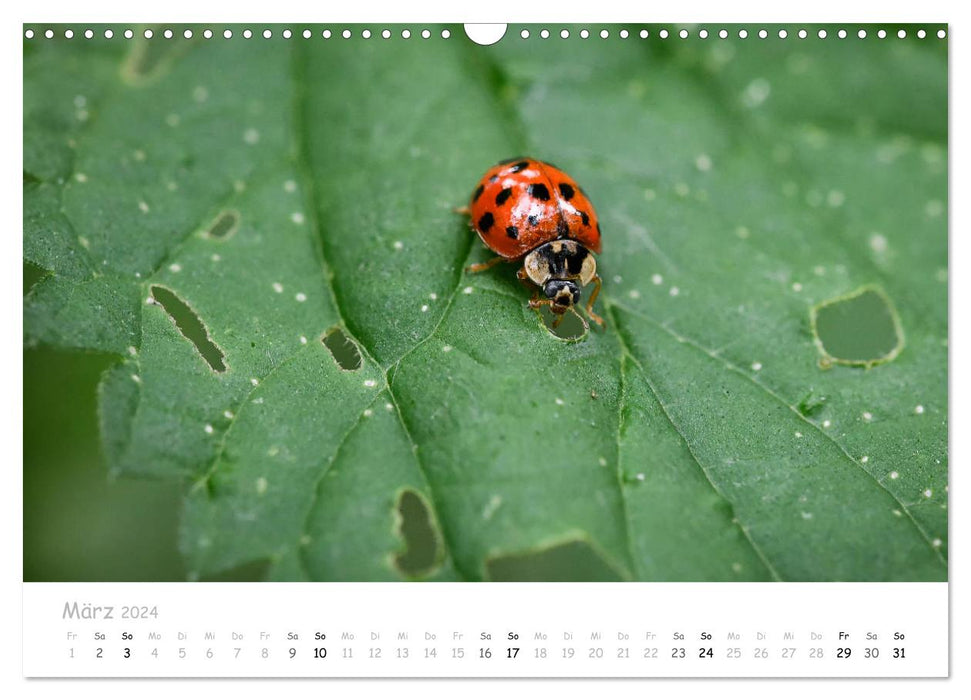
(79, 525)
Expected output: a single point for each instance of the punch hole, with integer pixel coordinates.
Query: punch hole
(190, 325)
(574, 560)
(485, 34)
(860, 329)
(416, 526)
(342, 349)
(224, 226)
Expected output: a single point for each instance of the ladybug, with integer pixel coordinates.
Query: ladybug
(528, 210)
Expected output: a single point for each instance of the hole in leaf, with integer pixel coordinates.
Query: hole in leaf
(418, 530)
(861, 328)
(224, 226)
(570, 328)
(190, 326)
(343, 349)
(32, 275)
(569, 561)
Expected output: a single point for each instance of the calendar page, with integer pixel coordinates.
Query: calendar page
(529, 350)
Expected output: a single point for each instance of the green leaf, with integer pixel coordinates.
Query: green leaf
(212, 210)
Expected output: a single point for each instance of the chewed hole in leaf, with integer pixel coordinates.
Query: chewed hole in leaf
(190, 325)
(569, 328)
(861, 328)
(417, 528)
(343, 349)
(224, 226)
(568, 561)
(32, 275)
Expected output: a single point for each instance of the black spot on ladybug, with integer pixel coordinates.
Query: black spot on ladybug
(566, 191)
(478, 192)
(532, 219)
(562, 230)
(538, 190)
(522, 165)
(512, 232)
(494, 178)
(509, 160)
(585, 217)
(486, 221)
(503, 196)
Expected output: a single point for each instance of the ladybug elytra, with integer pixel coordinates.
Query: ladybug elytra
(525, 209)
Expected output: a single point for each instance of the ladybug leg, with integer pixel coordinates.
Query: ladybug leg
(586, 326)
(593, 297)
(462, 210)
(480, 267)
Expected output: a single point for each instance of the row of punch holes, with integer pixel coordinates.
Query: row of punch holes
(525, 33)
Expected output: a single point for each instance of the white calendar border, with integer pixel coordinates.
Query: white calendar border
(505, 10)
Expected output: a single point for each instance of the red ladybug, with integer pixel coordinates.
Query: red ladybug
(525, 209)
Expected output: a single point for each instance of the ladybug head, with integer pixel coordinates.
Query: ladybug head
(563, 294)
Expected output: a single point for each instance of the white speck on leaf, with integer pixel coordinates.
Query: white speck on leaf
(297, 217)
(919, 409)
(894, 475)
(370, 383)
(143, 206)
(175, 267)
(756, 92)
(208, 429)
(878, 243)
(656, 278)
(756, 366)
(251, 136)
(300, 296)
(261, 485)
(289, 186)
(467, 290)
(277, 287)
